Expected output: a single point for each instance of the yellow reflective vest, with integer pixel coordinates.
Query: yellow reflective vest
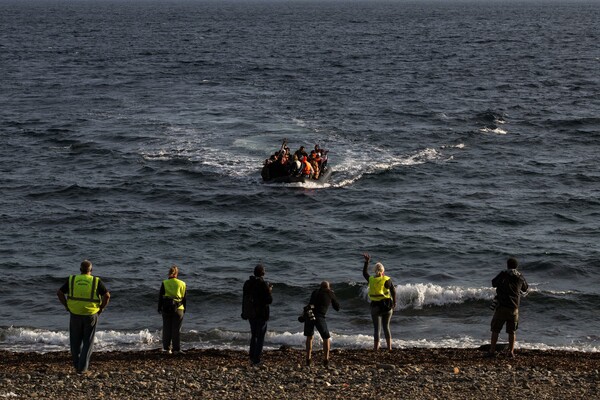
(83, 298)
(377, 289)
(175, 289)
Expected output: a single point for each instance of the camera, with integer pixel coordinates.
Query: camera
(307, 314)
(494, 304)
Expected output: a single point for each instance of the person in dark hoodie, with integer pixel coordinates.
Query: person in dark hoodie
(509, 284)
(255, 308)
(319, 304)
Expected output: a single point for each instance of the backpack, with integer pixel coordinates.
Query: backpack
(170, 306)
(248, 308)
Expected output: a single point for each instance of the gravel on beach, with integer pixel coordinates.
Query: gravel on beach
(414, 373)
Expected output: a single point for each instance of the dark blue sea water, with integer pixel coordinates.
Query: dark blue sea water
(460, 133)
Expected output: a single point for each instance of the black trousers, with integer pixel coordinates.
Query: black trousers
(172, 330)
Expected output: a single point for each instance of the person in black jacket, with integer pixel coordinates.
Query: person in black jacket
(255, 308)
(509, 284)
(319, 304)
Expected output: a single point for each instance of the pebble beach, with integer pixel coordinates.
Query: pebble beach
(413, 373)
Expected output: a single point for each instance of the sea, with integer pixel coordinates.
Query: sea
(460, 133)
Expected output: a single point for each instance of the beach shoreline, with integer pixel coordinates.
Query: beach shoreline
(413, 373)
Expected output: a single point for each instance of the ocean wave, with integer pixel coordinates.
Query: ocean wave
(416, 296)
(20, 339)
(421, 295)
(43, 340)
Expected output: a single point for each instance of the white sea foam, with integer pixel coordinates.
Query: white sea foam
(37, 340)
(497, 131)
(245, 155)
(27, 339)
(358, 165)
(419, 295)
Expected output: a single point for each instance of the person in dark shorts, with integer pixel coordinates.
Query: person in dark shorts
(509, 284)
(319, 304)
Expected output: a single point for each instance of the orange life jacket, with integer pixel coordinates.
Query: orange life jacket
(307, 170)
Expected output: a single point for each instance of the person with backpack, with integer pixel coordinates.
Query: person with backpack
(171, 304)
(255, 308)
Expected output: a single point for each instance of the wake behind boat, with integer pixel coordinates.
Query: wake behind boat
(299, 167)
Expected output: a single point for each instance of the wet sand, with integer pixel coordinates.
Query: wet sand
(352, 374)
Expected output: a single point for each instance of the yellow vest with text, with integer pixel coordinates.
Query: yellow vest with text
(83, 298)
(175, 289)
(377, 289)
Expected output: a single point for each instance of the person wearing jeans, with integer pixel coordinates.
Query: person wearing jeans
(85, 297)
(255, 308)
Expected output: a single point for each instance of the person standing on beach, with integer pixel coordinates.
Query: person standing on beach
(255, 308)
(85, 297)
(171, 304)
(509, 284)
(319, 302)
(382, 294)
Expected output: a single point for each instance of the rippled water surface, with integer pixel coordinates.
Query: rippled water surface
(460, 133)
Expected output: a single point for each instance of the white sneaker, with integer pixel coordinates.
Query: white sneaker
(167, 351)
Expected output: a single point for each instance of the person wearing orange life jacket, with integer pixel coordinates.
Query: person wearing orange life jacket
(172, 304)
(382, 294)
(85, 297)
(307, 169)
(315, 162)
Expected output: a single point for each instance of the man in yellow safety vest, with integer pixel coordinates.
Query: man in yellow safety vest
(85, 297)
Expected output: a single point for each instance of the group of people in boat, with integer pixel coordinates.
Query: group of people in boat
(300, 164)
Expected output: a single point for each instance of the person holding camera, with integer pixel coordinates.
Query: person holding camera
(510, 285)
(382, 294)
(314, 316)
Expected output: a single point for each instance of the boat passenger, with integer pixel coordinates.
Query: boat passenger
(314, 162)
(301, 153)
(307, 169)
(323, 157)
(295, 166)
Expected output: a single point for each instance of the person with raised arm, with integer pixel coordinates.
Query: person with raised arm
(382, 294)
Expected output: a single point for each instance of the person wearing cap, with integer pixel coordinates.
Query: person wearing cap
(509, 284)
(85, 297)
(255, 308)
